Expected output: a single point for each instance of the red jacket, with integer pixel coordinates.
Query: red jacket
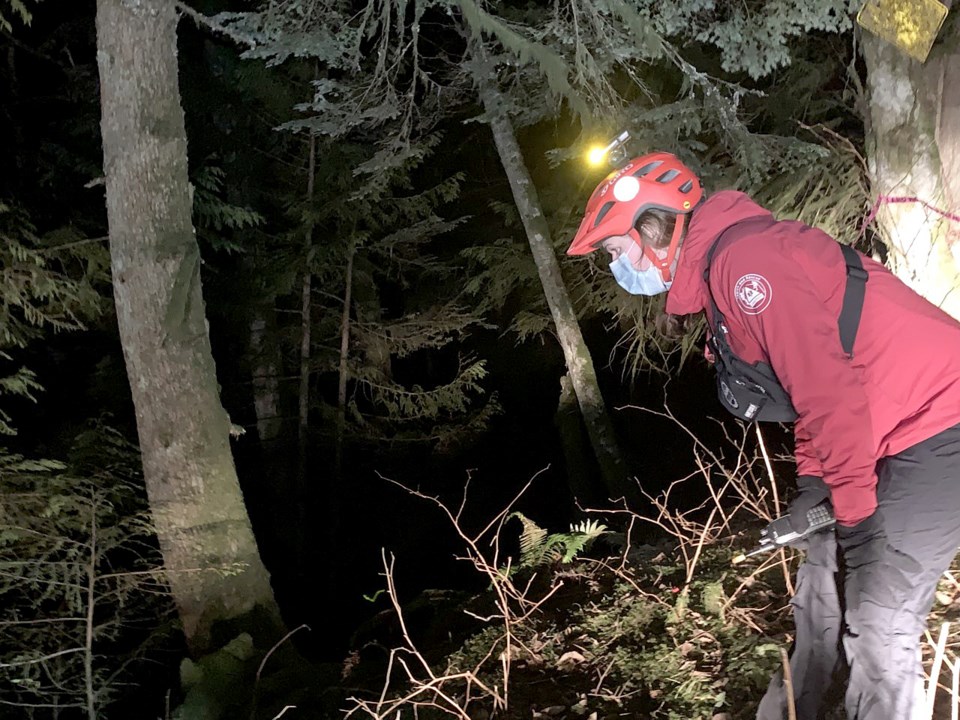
(780, 293)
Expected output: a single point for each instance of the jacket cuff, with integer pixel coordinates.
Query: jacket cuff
(852, 504)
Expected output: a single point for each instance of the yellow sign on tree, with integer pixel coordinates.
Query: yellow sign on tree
(911, 25)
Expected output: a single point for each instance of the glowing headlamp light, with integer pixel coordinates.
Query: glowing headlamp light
(614, 153)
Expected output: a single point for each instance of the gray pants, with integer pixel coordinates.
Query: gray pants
(875, 642)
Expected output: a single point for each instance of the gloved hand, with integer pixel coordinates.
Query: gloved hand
(811, 492)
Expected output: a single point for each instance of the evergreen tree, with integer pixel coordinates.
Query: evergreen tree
(83, 589)
(400, 87)
(209, 551)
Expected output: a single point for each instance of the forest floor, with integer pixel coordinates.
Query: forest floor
(653, 633)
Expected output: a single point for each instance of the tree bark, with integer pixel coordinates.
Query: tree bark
(303, 497)
(569, 424)
(306, 302)
(265, 372)
(210, 554)
(343, 368)
(913, 151)
(582, 374)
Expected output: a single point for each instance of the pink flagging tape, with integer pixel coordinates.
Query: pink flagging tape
(884, 199)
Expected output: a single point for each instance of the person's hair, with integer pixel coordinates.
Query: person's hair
(675, 327)
(656, 227)
(656, 230)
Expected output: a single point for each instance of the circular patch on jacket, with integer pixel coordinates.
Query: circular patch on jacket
(753, 294)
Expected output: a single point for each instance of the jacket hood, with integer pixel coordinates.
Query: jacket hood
(688, 294)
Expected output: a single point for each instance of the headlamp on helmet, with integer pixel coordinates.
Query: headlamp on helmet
(658, 180)
(615, 152)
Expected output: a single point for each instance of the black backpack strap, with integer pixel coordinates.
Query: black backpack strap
(849, 321)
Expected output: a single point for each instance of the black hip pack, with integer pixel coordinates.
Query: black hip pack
(753, 392)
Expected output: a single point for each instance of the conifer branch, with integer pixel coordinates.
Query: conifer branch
(205, 21)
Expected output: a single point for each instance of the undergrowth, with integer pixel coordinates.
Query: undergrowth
(591, 624)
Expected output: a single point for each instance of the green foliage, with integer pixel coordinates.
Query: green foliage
(686, 654)
(538, 548)
(417, 403)
(45, 284)
(524, 51)
(79, 574)
(383, 67)
(41, 288)
(379, 213)
(18, 9)
(495, 272)
(643, 647)
(22, 383)
(753, 37)
(391, 228)
(213, 214)
(830, 192)
(286, 29)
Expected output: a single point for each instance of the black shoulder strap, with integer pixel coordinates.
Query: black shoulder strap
(849, 321)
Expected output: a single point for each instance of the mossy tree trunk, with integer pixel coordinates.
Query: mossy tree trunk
(209, 551)
(579, 363)
(913, 150)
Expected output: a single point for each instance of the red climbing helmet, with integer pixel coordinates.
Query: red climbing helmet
(658, 180)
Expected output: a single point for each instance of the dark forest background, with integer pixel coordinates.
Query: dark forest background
(310, 174)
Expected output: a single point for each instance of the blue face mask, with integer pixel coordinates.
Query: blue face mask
(647, 282)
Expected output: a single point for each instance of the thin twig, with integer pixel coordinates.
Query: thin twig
(788, 685)
(955, 691)
(935, 669)
(776, 505)
(256, 681)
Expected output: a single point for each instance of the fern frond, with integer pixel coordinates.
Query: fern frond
(533, 541)
(538, 548)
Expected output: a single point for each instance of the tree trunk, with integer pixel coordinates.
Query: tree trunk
(265, 372)
(303, 497)
(343, 369)
(913, 151)
(579, 363)
(305, 322)
(569, 423)
(209, 550)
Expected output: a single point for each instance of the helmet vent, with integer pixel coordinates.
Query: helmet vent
(686, 187)
(648, 168)
(668, 176)
(603, 211)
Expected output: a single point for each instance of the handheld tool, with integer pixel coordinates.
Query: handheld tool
(780, 532)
